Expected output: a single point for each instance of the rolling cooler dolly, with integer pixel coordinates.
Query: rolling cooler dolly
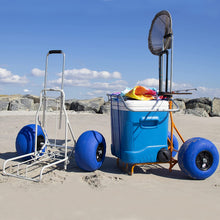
(140, 128)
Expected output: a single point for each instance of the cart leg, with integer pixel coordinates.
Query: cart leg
(132, 169)
(173, 162)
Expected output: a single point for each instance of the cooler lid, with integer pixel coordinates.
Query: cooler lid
(137, 105)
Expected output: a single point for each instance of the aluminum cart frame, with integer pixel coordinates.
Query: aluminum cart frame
(50, 154)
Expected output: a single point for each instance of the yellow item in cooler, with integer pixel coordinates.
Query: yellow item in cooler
(141, 93)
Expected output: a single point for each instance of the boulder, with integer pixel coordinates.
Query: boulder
(180, 103)
(35, 98)
(106, 108)
(21, 104)
(91, 105)
(204, 103)
(53, 104)
(69, 102)
(215, 107)
(14, 97)
(4, 103)
(27, 102)
(197, 112)
(35, 107)
(16, 105)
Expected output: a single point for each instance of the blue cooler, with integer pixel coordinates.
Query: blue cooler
(139, 129)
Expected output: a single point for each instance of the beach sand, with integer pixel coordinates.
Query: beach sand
(152, 192)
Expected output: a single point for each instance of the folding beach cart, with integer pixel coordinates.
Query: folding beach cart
(36, 150)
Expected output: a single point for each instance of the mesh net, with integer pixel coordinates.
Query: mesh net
(160, 34)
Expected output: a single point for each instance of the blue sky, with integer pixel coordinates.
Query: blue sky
(105, 42)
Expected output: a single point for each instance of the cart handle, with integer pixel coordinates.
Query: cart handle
(61, 87)
(55, 51)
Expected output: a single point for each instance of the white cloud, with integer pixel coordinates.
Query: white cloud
(208, 92)
(37, 72)
(7, 77)
(27, 90)
(4, 73)
(98, 93)
(108, 82)
(85, 73)
(200, 91)
(151, 82)
(116, 75)
(70, 82)
(117, 85)
(114, 85)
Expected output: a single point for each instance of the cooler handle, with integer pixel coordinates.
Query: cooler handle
(149, 122)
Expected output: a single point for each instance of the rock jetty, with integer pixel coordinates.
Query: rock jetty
(202, 107)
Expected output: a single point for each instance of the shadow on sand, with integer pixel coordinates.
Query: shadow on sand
(110, 166)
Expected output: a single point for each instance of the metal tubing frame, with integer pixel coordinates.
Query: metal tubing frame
(167, 60)
(36, 155)
(67, 123)
(161, 66)
(160, 73)
(45, 86)
(110, 96)
(171, 63)
(167, 64)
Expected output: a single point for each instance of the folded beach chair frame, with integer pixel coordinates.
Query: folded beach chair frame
(47, 154)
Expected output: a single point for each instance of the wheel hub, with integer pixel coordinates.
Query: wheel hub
(204, 160)
(100, 152)
(40, 142)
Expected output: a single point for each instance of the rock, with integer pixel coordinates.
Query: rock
(35, 98)
(35, 107)
(106, 108)
(91, 105)
(14, 97)
(197, 112)
(77, 106)
(215, 107)
(180, 103)
(204, 103)
(4, 103)
(21, 104)
(16, 105)
(53, 105)
(201, 106)
(69, 102)
(27, 102)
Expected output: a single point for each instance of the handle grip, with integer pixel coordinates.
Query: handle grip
(149, 122)
(55, 51)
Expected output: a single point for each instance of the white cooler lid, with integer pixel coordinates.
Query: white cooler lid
(138, 105)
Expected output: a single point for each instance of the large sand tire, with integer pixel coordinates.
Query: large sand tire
(198, 158)
(25, 141)
(90, 151)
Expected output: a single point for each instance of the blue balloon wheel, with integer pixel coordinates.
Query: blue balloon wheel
(90, 151)
(175, 144)
(198, 158)
(25, 141)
